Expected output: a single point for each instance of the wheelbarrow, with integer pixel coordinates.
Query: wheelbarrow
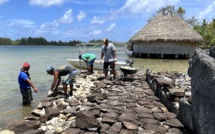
(128, 70)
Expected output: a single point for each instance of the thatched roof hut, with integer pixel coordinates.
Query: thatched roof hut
(166, 34)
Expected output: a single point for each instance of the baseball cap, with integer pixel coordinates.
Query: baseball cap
(79, 56)
(25, 64)
(49, 69)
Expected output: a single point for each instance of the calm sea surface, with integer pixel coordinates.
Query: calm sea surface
(40, 57)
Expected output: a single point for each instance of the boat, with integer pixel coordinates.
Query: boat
(96, 66)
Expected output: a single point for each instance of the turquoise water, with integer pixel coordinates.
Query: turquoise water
(40, 57)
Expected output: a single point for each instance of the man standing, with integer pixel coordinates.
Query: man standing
(109, 53)
(25, 84)
(69, 73)
(89, 59)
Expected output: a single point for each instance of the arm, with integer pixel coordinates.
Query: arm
(32, 85)
(55, 81)
(102, 54)
(58, 83)
(114, 53)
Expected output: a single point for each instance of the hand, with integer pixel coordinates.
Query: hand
(35, 90)
(100, 61)
(115, 59)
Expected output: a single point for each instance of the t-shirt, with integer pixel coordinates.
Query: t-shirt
(64, 70)
(22, 79)
(108, 52)
(88, 56)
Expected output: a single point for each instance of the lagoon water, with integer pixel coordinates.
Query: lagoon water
(40, 57)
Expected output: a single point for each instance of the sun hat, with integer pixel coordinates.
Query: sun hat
(50, 68)
(105, 40)
(25, 64)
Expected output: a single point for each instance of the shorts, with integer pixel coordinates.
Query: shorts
(90, 62)
(69, 79)
(26, 96)
(111, 64)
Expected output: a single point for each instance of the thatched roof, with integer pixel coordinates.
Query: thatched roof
(167, 28)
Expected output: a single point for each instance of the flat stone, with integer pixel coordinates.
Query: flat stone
(150, 126)
(110, 115)
(141, 109)
(127, 117)
(146, 115)
(124, 131)
(162, 129)
(108, 120)
(116, 103)
(146, 132)
(86, 119)
(46, 104)
(105, 126)
(150, 121)
(174, 123)
(160, 116)
(156, 110)
(72, 131)
(176, 92)
(130, 125)
(116, 127)
(170, 115)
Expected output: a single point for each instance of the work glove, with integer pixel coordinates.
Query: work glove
(115, 59)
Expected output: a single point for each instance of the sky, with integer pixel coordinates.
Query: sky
(84, 20)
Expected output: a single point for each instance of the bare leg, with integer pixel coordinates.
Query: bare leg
(65, 88)
(106, 72)
(88, 69)
(114, 73)
(71, 89)
(91, 68)
(112, 65)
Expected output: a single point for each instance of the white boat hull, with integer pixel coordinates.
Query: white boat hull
(96, 66)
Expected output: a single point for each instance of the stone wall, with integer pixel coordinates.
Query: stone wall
(202, 72)
(192, 102)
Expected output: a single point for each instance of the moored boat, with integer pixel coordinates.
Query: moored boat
(97, 64)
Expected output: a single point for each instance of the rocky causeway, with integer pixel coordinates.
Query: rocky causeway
(101, 106)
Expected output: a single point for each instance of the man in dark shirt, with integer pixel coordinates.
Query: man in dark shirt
(69, 73)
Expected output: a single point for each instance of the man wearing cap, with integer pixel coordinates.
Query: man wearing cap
(89, 59)
(69, 73)
(109, 53)
(25, 84)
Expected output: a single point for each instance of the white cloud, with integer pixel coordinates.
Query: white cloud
(67, 17)
(111, 27)
(146, 6)
(96, 32)
(97, 20)
(46, 3)
(3, 1)
(81, 15)
(209, 10)
(22, 23)
(49, 25)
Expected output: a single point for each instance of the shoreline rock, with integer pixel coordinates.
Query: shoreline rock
(102, 106)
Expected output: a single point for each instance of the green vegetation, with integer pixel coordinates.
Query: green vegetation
(36, 41)
(207, 31)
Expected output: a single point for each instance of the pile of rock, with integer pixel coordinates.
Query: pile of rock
(102, 106)
(171, 87)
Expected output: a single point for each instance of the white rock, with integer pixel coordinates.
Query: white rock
(7, 132)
